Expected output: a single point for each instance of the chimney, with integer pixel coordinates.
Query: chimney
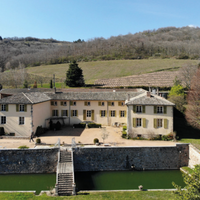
(128, 98)
(148, 94)
(157, 91)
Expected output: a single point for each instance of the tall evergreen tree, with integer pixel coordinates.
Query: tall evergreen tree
(74, 76)
(51, 84)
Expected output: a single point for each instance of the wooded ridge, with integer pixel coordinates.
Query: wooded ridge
(179, 43)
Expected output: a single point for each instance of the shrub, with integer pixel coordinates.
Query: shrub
(38, 141)
(58, 125)
(96, 140)
(81, 125)
(12, 134)
(2, 132)
(93, 125)
(23, 147)
(39, 131)
(124, 128)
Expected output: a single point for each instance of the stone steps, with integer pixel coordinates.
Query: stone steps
(65, 156)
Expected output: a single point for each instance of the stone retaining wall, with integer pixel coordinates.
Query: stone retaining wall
(28, 161)
(194, 156)
(121, 158)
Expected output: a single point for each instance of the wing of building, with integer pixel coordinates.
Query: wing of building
(23, 110)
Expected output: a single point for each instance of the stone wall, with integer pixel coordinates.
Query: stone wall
(121, 158)
(194, 156)
(28, 161)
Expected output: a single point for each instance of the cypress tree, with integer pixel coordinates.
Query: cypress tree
(74, 76)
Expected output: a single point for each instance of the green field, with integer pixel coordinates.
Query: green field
(111, 69)
(150, 195)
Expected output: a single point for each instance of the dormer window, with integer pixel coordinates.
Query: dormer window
(87, 103)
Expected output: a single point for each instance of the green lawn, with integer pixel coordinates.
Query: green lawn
(194, 142)
(111, 69)
(144, 195)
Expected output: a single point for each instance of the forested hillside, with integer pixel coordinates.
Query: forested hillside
(180, 43)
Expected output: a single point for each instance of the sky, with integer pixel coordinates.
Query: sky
(70, 20)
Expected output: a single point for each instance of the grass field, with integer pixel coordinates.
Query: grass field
(194, 142)
(112, 69)
(150, 195)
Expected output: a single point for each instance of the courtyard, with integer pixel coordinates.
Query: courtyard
(84, 137)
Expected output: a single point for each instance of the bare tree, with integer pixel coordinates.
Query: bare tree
(104, 134)
(186, 74)
(193, 99)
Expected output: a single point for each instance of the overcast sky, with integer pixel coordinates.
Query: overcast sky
(69, 20)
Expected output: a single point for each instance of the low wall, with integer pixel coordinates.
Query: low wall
(121, 158)
(28, 161)
(194, 155)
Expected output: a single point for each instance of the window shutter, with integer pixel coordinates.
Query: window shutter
(57, 112)
(92, 114)
(0, 108)
(143, 109)
(52, 103)
(109, 104)
(144, 122)
(105, 113)
(155, 123)
(71, 113)
(6, 107)
(119, 103)
(77, 113)
(125, 113)
(100, 113)
(99, 103)
(17, 108)
(120, 113)
(61, 103)
(67, 113)
(109, 113)
(165, 109)
(84, 114)
(134, 122)
(165, 123)
(52, 112)
(62, 111)
(155, 109)
(71, 103)
(85, 103)
(134, 108)
(25, 108)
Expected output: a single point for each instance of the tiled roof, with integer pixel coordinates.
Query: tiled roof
(101, 96)
(143, 99)
(25, 98)
(25, 90)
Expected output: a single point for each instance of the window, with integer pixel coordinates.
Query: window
(102, 113)
(3, 107)
(21, 120)
(120, 103)
(73, 103)
(64, 112)
(112, 103)
(54, 113)
(21, 108)
(87, 103)
(101, 103)
(139, 109)
(159, 123)
(74, 113)
(112, 113)
(138, 122)
(159, 109)
(88, 113)
(63, 103)
(122, 113)
(3, 119)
